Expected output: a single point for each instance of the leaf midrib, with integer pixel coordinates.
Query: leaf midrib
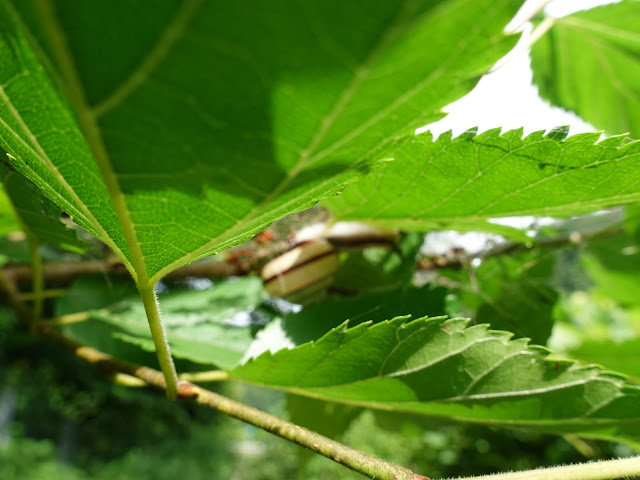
(588, 25)
(88, 123)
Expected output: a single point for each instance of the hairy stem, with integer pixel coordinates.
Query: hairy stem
(603, 470)
(370, 466)
(355, 460)
(160, 341)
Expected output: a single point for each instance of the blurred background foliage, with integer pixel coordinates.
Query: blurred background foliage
(60, 419)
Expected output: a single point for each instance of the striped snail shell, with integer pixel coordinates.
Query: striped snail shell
(354, 236)
(309, 264)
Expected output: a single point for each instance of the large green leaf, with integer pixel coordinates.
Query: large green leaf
(460, 183)
(589, 62)
(511, 293)
(37, 213)
(198, 323)
(198, 123)
(441, 368)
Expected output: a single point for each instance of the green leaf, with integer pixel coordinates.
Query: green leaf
(38, 215)
(440, 368)
(196, 322)
(460, 183)
(622, 357)
(202, 122)
(511, 293)
(314, 321)
(589, 63)
(94, 292)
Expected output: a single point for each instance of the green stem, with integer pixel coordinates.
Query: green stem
(540, 30)
(355, 460)
(37, 280)
(604, 470)
(159, 336)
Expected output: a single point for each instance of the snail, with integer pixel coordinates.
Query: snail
(308, 267)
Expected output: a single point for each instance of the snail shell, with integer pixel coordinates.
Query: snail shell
(308, 264)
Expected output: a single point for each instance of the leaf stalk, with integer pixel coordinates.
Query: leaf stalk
(160, 341)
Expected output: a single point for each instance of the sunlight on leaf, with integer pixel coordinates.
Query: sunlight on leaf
(461, 183)
(441, 368)
(589, 62)
(206, 121)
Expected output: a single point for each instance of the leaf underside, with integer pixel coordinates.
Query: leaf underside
(443, 368)
(461, 183)
(210, 120)
(589, 63)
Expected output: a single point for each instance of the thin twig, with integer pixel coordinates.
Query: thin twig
(237, 262)
(125, 372)
(601, 470)
(251, 262)
(372, 467)
(539, 31)
(459, 260)
(521, 18)
(349, 457)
